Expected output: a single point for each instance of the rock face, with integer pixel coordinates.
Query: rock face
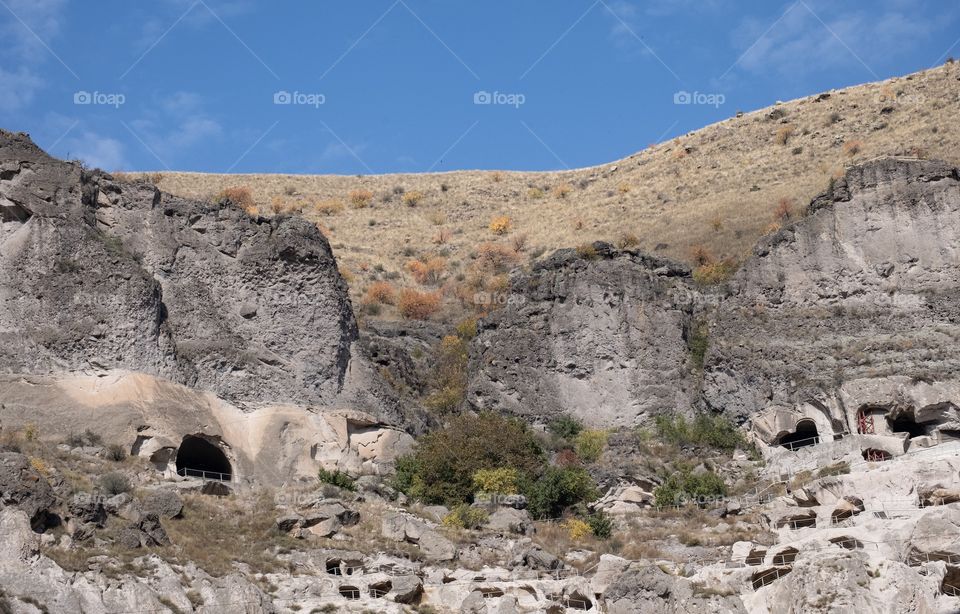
(97, 274)
(601, 338)
(22, 487)
(865, 286)
(862, 290)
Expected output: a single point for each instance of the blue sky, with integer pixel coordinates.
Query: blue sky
(375, 86)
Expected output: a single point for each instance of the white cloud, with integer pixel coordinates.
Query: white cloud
(17, 89)
(24, 34)
(814, 36)
(96, 151)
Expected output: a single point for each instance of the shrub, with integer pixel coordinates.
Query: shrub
(557, 489)
(590, 445)
(784, 134)
(601, 524)
(710, 274)
(336, 478)
(418, 305)
(450, 375)
(497, 176)
(587, 251)
(563, 190)
(239, 197)
(40, 466)
(716, 223)
(86, 438)
(360, 199)
(502, 480)
(698, 340)
(565, 427)
(534, 193)
(445, 400)
(496, 257)
(441, 469)
(412, 199)
(427, 272)
(627, 240)
(116, 453)
(577, 529)
(784, 209)
(467, 329)
(380, 293)
(464, 516)
(624, 188)
(706, 430)
(852, 148)
(328, 207)
(519, 242)
(437, 218)
(701, 255)
(114, 483)
(685, 487)
(500, 225)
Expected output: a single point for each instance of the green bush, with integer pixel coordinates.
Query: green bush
(114, 483)
(687, 487)
(557, 489)
(600, 524)
(590, 445)
(705, 430)
(698, 340)
(466, 517)
(442, 468)
(565, 427)
(337, 478)
(502, 481)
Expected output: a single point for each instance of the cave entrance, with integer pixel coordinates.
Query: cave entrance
(805, 435)
(199, 458)
(905, 423)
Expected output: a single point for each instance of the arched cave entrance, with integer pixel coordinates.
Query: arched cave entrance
(197, 457)
(805, 435)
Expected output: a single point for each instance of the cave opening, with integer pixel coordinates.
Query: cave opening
(197, 457)
(905, 423)
(805, 435)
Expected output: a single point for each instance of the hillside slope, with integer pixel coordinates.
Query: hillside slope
(721, 187)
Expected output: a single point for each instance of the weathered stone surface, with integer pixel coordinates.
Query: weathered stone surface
(146, 532)
(509, 520)
(602, 340)
(97, 274)
(645, 589)
(164, 502)
(22, 487)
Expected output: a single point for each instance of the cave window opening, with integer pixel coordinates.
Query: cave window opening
(873, 456)
(805, 435)
(904, 423)
(197, 457)
(350, 592)
(380, 589)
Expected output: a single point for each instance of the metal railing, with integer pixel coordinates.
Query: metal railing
(949, 589)
(770, 576)
(204, 475)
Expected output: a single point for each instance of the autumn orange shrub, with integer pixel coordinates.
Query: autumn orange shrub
(852, 148)
(379, 293)
(328, 207)
(500, 225)
(418, 305)
(361, 199)
(496, 256)
(239, 196)
(701, 255)
(427, 271)
(563, 190)
(784, 209)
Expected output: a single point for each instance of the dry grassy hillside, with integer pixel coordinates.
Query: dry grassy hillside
(703, 197)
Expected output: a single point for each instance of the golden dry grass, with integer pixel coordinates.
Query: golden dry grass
(719, 187)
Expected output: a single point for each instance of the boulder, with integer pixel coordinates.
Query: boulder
(510, 520)
(164, 502)
(406, 589)
(436, 547)
(87, 509)
(146, 532)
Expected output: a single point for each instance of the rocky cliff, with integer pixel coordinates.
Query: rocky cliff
(864, 286)
(97, 275)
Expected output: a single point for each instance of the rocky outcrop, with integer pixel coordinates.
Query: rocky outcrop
(98, 275)
(864, 287)
(598, 334)
(24, 488)
(819, 323)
